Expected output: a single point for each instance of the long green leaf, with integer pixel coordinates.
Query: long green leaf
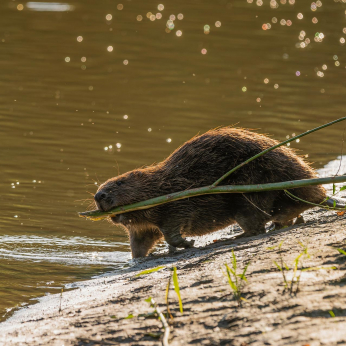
(280, 244)
(148, 271)
(342, 251)
(208, 190)
(234, 261)
(176, 288)
(242, 276)
(231, 283)
(167, 296)
(277, 265)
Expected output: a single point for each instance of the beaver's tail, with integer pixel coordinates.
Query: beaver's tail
(335, 202)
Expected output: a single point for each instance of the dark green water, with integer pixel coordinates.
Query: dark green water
(73, 114)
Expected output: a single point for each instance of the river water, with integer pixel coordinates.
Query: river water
(93, 88)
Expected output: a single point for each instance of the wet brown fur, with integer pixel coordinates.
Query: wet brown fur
(200, 162)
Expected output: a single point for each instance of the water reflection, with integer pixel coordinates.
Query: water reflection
(71, 250)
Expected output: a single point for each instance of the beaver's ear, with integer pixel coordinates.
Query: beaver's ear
(139, 174)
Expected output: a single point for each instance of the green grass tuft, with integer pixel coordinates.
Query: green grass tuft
(236, 281)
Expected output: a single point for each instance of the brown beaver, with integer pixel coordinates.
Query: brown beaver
(200, 162)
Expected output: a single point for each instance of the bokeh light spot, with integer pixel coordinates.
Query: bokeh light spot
(170, 24)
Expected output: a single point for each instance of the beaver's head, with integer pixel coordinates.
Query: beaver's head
(124, 189)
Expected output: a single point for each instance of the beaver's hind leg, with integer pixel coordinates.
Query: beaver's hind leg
(143, 240)
(251, 224)
(174, 239)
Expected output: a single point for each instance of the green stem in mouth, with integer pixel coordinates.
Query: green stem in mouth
(209, 190)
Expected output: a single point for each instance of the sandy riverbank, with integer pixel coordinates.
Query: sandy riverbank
(94, 314)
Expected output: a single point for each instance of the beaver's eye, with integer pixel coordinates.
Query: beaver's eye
(119, 183)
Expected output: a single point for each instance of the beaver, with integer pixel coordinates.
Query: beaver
(200, 162)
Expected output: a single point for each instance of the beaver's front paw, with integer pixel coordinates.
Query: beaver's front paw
(187, 243)
(184, 244)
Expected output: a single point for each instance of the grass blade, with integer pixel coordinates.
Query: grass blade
(242, 276)
(234, 261)
(342, 251)
(148, 271)
(231, 283)
(277, 264)
(166, 297)
(176, 288)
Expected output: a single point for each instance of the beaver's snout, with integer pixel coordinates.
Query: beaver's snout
(100, 196)
(103, 200)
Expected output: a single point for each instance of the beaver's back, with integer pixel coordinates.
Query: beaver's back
(204, 159)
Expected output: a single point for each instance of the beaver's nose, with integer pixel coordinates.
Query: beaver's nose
(99, 196)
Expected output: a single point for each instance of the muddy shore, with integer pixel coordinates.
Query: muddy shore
(95, 313)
